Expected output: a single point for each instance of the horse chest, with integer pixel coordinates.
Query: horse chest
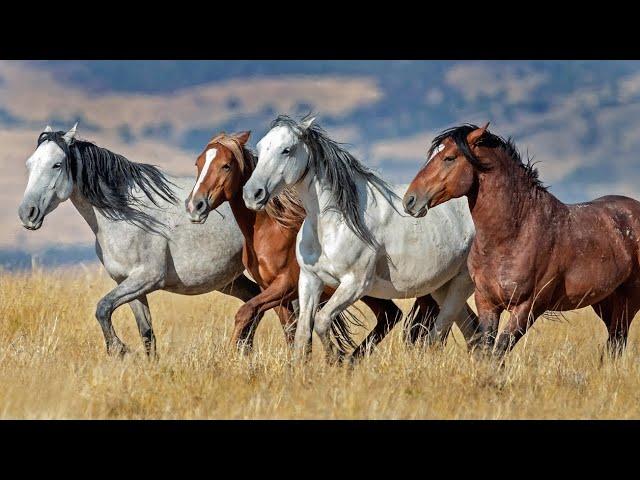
(330, 260)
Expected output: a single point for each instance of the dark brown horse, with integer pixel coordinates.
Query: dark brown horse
(532, 253)
(269, 255)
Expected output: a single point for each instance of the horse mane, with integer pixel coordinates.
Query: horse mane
(107, 181)
(285, 208)
(339, 168)
(459, 136)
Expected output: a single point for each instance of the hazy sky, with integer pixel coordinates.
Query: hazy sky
(579, 119)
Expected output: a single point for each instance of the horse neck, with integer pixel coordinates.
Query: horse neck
(315, 195)
(86, 210)
(504, 198)
(246, 218)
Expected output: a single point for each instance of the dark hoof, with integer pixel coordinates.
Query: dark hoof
(118, 349)
(153, 356)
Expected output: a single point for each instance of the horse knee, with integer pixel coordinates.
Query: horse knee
(245, 315)
(103, 310)
(322, 325)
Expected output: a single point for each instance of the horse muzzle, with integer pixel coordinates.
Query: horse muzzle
(255, 198)
(415, 206)
(31, 216)
(198, 211)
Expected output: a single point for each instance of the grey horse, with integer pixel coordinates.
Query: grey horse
(143, 238)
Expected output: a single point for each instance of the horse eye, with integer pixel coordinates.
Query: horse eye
(449, 159)
(226, 166)
(57, 165)
(286, 151)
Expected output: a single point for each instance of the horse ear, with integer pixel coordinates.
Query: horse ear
(47, 129)
(70, 134)
(242, 137)
(477, 134)
(307, 122)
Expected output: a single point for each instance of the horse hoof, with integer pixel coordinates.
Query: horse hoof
(118, 350)
(337, 359)
(153, 356)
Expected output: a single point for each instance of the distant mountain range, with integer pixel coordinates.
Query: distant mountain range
(579, 119)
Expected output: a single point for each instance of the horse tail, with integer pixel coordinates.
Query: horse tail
(341, 330)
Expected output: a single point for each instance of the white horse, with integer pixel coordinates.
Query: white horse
(143, 239)
(356, 239)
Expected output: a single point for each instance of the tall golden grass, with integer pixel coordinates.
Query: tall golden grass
(53, 365)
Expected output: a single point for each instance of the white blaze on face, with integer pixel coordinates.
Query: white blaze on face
(436, 151)
(209, 156)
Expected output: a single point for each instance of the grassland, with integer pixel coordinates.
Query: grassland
(53, 365)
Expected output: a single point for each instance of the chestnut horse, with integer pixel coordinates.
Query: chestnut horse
(532, 253)
(269, 254)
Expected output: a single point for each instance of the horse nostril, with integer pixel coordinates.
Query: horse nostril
(33, 213)
(259, 194)
(200, 206)
(410, 202)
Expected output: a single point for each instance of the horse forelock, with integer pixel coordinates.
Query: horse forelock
(244, 157)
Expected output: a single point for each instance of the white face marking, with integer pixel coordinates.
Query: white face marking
(208, 158)
(436, 151)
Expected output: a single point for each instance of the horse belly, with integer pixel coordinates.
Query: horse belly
(424, 253)
(590, 282)
(205, 257)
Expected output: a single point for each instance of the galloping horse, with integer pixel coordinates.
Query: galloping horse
(532, 253)
(269, 255)
(142, 237)
(354, 238)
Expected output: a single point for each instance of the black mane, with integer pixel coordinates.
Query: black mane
(339, 168)
(107, 180)
(459, 136)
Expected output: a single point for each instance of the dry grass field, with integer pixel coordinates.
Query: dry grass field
(53, 365)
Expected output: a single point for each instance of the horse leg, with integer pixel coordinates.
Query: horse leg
(241, 287)
(310, 288)
(604, 309)
(247, 317)
(129, 289)
(457, 291)
(420, 319)
(387, 315)
(141, 312)
(287, 316)
(628, 304)
(522, 316)
(466, 320)
(488, 319)
(244, 289)
(348, 292)
(469, 324)
(617, 312)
